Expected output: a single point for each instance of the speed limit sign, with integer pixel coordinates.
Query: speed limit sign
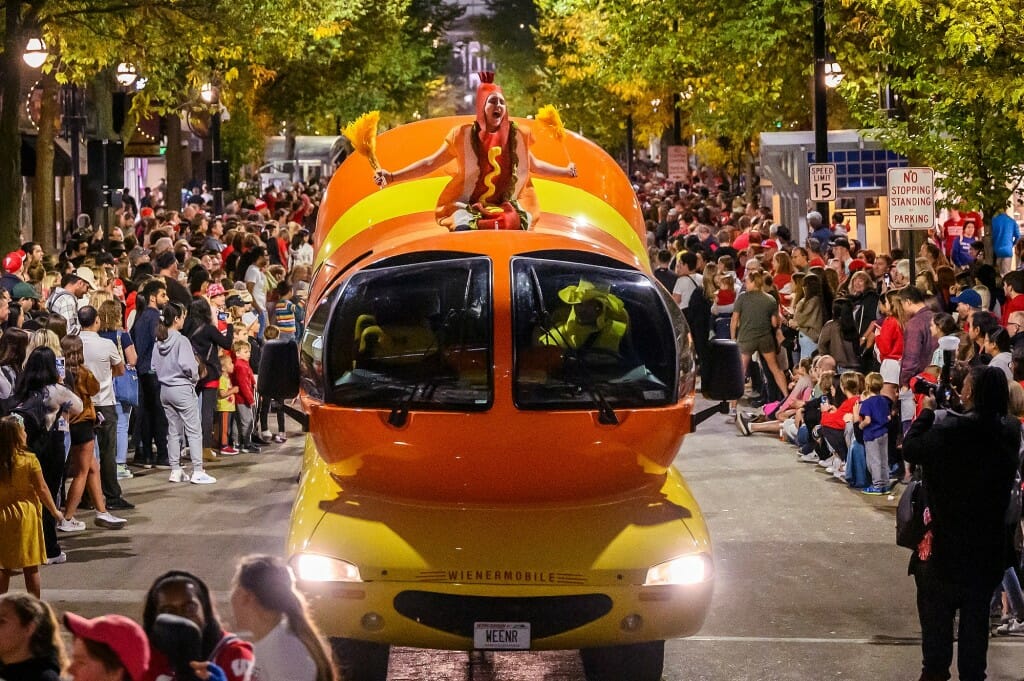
(823, 182)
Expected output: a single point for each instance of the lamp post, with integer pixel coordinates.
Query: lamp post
(210, 94)
(72, 116)
(827, 74)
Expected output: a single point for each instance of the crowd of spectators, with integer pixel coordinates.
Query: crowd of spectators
(842, 346)
(181, 635)
(137, 347)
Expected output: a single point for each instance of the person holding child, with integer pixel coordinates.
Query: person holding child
(23, 493)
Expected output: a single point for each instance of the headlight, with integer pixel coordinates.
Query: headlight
(312, 567)
(692, 569)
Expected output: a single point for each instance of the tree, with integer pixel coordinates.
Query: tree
(955, 70)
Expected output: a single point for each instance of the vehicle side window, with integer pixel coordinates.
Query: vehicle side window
(311, 350)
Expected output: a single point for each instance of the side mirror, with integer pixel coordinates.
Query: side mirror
(726, 371)
(279, 370)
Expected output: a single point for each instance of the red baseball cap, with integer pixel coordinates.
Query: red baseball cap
(121, 634)
(816, 262)
(146, 212)
(214, 290)
(770, 243)
(13, 261)
(856, 265)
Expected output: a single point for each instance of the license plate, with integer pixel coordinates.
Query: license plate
(501, 635)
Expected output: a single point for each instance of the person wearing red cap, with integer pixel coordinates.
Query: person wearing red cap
(490, 189)
(14, 270)
(107, 648)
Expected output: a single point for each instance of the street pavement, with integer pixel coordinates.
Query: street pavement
(809, 582)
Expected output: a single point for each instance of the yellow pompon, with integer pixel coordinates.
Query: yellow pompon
(548, 115)
(362, 133)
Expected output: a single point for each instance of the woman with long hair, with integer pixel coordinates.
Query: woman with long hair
(112, 328)
(13, 346)
(808, 315)
(31, 647)
(839, 337)
(287, 644)
(177, 370)
(83, 436)
(23, 493)
(206, 339)
(39, 384)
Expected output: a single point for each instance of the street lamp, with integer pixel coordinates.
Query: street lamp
(827, 74)
(126, 74)
(217, 171)
(35, 53)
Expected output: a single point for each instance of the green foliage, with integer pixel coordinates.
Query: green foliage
(956, 68)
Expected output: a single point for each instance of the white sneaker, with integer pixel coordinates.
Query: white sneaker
(265, 435)
(810, 457)
(109, 521)
(1014, 627)
(178, 475)
(827, 463)
(61, 557)
(70, 525)
(202, 478)
(123, 473)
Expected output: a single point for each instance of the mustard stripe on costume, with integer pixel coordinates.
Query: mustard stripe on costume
(420, 196)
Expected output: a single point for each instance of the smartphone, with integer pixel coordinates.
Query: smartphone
(222, 316)
(60, 367)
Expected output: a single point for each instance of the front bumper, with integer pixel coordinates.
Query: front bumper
(411, 614)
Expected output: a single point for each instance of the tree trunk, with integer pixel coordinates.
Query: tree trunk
(175, 167)
(43, 205)
(10, 138)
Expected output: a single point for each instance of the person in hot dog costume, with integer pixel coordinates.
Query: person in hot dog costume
(491, 167)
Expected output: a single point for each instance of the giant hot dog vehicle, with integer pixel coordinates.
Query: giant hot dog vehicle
(479, 473)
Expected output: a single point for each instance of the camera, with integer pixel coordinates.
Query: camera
(946, 397)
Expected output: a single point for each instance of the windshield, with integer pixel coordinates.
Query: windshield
(588, 336)
(414, 335)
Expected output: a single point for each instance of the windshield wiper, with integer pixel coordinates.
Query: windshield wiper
(605, 414)
(400, 412)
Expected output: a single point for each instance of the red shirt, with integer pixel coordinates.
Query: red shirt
(232, 654)
(834, 419)
(1012, 305)
(246, 382)
(889, 339)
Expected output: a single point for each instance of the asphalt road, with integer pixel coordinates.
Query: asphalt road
(810, 584)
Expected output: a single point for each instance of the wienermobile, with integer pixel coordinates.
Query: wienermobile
(483, 470)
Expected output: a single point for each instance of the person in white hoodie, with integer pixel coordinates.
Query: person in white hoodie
(178, 372)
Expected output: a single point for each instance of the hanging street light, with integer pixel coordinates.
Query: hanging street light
(833, 73)
(35, 53)
(126, 74)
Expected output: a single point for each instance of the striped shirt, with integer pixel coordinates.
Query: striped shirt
(284, 314)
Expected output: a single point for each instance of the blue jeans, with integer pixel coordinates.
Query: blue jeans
(124, 413)
(807, 346)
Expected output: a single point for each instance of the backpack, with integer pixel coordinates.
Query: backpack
(33, 411)
(698, 310)
(910, 525)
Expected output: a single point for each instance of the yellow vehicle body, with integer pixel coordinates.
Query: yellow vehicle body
(594, 554)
